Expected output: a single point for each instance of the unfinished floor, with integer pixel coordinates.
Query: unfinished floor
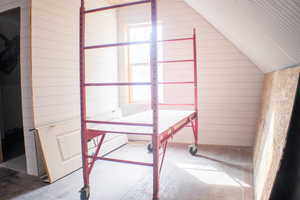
(216, 173)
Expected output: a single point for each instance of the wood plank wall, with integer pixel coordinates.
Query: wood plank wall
(230, 84)
(55, 33)
(25, 80)
(55, 61)
(277, 105)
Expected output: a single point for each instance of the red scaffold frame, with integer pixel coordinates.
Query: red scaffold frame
(159, 140)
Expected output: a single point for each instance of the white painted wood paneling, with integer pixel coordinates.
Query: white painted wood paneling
(25, 80)
(55, 63)
(229, 83)
(55, 49)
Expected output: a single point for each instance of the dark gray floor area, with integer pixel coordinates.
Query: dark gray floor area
(216, 173)
(14, 184)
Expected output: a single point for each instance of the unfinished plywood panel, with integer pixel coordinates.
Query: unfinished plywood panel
(168, 118)
(230, 84)
(26, 89)
(278, 100)
(55, 63)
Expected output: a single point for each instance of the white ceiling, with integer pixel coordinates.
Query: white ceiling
(267, 31)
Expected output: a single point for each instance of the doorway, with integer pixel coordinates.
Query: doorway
(287, 183)
(11, 120)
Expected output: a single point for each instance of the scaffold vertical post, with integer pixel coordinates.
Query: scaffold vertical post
(195, 85)
(154, 99)
(82, 97)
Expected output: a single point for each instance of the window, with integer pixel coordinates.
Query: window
(139, 63)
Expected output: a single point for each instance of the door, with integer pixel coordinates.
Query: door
(1, 128)
(61, 147)
(11, 119)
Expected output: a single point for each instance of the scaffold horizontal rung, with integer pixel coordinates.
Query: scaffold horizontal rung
(170, 104)
(165, 62)
(96, 133)
(174, 61)
(132, 43)
(116, 6)
(117, 84)
(137, 83)
(123, 161)
(118, 123)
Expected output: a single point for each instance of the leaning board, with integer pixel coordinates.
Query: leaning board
(61, 147)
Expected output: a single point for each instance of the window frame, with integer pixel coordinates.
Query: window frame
(130, 65)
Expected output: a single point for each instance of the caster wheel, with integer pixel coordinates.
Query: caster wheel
(85, 193)
(193, 149)
(150, 148)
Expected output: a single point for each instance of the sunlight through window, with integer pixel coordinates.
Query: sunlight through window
(139, 63)
(209, 175)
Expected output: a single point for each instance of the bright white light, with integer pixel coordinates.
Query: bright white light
(139, 61)
(213, 177)
(196, 167)
(209, 175)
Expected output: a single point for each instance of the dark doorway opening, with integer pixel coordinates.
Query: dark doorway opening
(11, 121)
(287, 183)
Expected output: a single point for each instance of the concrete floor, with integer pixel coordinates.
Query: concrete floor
(216, 173)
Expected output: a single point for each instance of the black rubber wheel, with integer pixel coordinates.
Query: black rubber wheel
(85, 194)
(150, 148)
(193, 149)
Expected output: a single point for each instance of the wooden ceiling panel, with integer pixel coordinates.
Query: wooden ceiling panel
(267, 31)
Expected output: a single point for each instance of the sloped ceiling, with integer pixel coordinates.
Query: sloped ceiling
(267, 31)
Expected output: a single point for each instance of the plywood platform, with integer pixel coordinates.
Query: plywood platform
(167, 119)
